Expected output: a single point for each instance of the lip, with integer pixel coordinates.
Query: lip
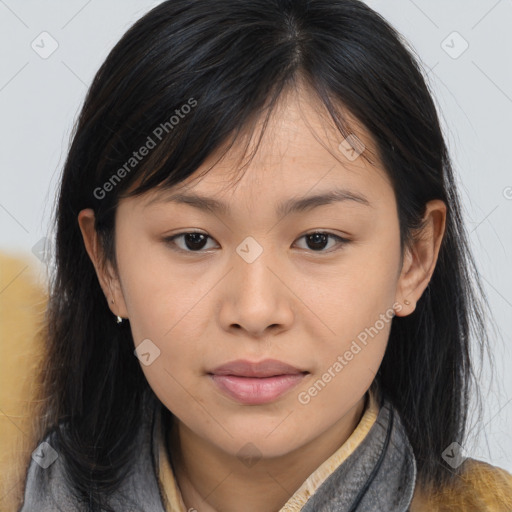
(256, 383)
(265, 368)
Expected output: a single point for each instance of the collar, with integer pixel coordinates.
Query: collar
(373, 470)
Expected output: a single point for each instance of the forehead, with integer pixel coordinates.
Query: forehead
(299, 149)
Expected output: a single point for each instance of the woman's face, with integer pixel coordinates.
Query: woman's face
(257, 287)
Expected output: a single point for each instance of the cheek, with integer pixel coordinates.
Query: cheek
(346, 366)
(167, 308)
(160, 298)
(356, 312)
(352, 295)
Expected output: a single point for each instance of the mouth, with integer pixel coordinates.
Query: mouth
(256, 383)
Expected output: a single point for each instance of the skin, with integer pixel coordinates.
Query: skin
(293, 303)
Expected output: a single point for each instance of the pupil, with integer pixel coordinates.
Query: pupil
(318, 238)
(194, 240)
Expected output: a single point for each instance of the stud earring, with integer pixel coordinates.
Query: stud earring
(406, 302)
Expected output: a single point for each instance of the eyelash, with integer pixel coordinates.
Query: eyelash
(341, 241)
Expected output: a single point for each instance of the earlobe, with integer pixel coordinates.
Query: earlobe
(404, 303)
(421, 258)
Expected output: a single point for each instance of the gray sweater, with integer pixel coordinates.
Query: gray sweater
(379, 476)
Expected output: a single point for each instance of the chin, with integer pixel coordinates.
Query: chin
(258, 443)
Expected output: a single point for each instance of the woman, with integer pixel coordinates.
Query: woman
(296, 338)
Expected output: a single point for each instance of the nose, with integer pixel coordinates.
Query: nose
(256, 297)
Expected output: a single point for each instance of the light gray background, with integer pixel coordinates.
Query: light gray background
(40, 98)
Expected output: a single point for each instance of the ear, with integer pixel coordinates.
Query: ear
(420, 259)
(107, 277)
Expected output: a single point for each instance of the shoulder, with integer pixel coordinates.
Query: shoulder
(46, 487)
(479, 486)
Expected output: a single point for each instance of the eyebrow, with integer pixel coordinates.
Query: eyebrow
(286, 207)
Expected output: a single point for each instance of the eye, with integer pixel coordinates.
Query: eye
(318, 240)
(195, 241)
